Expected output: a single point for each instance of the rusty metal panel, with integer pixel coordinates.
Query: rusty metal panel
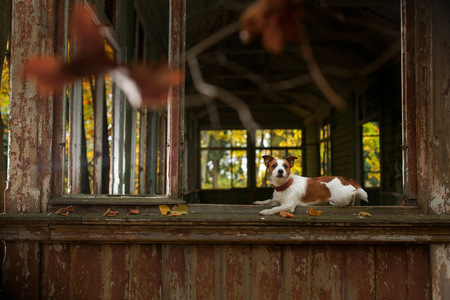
(266, 272)
(145, 272)
(418, 273)
(85, 271)
(236, 271)
(359, 281)
(21, 271)
(203, 269)
(327, 272)
(55, 271)
(390, 272)
(155, 271)
(175, 264)
(297, 262)
(114, 266)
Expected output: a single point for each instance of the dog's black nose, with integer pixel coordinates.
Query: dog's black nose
(280, 171)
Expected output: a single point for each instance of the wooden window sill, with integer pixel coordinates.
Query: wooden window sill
(230, 224)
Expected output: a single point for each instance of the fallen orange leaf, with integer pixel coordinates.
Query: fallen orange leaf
(286, 214)
(314, 212)
(164, 209)
(364, 214)
(179, 209)
(134, 211)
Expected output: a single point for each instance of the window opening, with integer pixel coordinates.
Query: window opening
(325, 150)
(371, 154)
(277, 143)
(224, 159)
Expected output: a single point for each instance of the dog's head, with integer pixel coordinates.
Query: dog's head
(279, 169)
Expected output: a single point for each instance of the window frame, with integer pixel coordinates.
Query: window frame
(231, 148)
(251, 154)
(124, 159)
(325, 166)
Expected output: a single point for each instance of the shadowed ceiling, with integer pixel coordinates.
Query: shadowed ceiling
(351, 41)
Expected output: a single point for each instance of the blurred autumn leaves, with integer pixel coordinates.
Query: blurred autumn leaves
(145, 85)
(277, 22)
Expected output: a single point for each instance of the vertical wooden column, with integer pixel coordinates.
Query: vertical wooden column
(409, 100)
(432, 102)
(175, 110)
(31, 116)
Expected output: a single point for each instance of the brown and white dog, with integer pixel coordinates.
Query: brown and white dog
(293, 190)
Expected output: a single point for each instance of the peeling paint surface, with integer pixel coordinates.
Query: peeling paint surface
(440, 254)
(30, 139)
(177, 271)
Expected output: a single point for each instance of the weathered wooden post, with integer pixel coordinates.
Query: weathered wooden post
(175, 110)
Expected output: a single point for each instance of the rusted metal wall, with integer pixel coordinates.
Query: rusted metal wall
(171, 271)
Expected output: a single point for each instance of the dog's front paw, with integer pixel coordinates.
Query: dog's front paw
(266, 212)
(258, 202)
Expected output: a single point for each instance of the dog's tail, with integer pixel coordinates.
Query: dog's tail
(359, 190)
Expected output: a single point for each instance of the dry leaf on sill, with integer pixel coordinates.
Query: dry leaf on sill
(364, 214)
(314, 212)
(164, 209)
(107, 212)
(134, 211)
(179, 209)
(286, 214)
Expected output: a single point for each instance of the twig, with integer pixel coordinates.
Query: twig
(213, 91)
(258, 80)
(316, 73)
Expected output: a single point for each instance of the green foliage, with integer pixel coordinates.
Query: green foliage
(224, 159)
(325, 150)
(371, 154)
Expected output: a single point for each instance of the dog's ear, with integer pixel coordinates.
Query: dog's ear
(267, 159)
(291, 160)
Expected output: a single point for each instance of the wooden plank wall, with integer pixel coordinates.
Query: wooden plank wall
(391, 136)
(312, 149)
(171, 271)
(343, 142)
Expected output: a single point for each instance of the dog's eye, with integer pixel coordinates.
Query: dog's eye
(274, 165)
(285, 166)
